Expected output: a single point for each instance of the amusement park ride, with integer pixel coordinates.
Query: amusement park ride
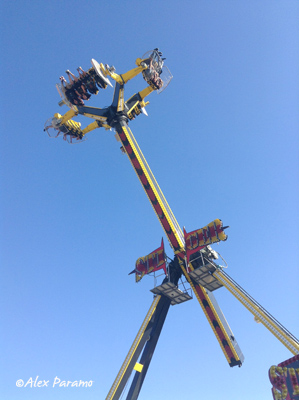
(194, 260)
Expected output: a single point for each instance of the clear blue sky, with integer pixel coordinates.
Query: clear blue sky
(222, 141)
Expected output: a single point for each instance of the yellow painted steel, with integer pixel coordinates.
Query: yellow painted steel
(96, 117)
(282, 336)
(133, 348)
(153, 185)
(113, 75)
(132, 73)
(145, 92)
(90, 127)
(121, 100)
(216, 316)
(68, 115)
(123, 78)
(69, 123)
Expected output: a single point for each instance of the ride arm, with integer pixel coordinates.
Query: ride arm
(68, 115)
(151, 187)
(94, 125)
(176, 239)
(123, 78)
(145, 92)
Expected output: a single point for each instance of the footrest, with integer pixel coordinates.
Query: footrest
(172, 292)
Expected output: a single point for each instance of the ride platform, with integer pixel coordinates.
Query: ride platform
(203, 272)
(171, 291)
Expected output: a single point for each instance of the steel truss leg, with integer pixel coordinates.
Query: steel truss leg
(147, 337)
(149, 349)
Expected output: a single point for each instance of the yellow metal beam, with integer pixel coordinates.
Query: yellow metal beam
(281, 334)
(208, 318)
(154, 186)
(133, 348)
